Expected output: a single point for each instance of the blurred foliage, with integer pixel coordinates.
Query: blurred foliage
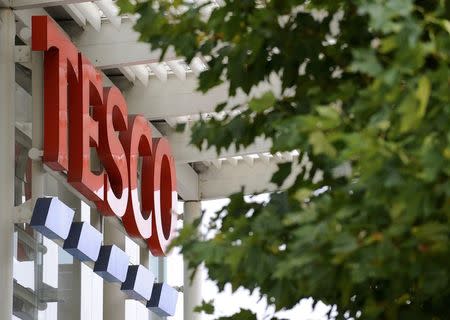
(365, 85)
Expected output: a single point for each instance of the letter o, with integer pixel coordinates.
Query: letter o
(164, 197)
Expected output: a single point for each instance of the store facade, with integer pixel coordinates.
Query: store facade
(89, 194)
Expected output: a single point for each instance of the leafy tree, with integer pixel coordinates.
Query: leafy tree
(366, 94)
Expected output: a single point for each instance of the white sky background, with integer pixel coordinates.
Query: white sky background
(227, 303)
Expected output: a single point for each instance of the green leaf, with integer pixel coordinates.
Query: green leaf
(266, 101)
(366, 62)
(343, 244)
(243, 314)
(206, 307)
(284, 169)
(125, 6)
(423, 94)
(180, 127)
(446, 24)
(303, 194)
(432, 231)
(409, 113)
(320, 144)
(329, 113)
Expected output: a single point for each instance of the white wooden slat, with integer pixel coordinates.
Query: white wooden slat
(159, 70)
(265, 157)
(217, 163)
(197, 66)
(92, 14)
(111, 11)
(141, 73)
(177, 68)
(233, 161)
(128, 73)
(75, 14)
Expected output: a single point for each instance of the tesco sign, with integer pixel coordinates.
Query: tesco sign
(80, 114)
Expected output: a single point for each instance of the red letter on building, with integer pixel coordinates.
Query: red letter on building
(60, 74)
(72, 88)
(164, 197)
(84, 132)
(137, 141)
(112, 116)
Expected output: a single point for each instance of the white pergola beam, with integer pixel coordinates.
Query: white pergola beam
(187, 182)
(173, 98)
(184, 152)
(249, 160)
(216, 183)
(176, 98)
(26, 4)
(112, 48)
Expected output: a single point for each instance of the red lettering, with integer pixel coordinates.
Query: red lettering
(137, 142)
(112, 116)
(84, 131)
(99, 119)
(60, 76)
(164, 197)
